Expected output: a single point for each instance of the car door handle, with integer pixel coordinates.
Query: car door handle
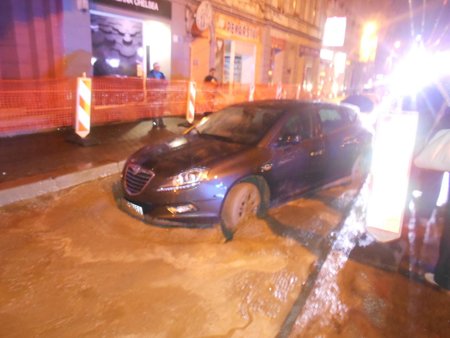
(316, 153)
(348, 141)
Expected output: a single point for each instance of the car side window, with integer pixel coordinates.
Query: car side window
(331, 118)
(297, 125)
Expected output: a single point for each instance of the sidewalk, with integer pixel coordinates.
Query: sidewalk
(36, 164)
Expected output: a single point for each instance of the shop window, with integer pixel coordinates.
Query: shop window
(237, 68)
(116, 45)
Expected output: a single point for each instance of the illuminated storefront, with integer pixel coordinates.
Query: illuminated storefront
(333, 58)
(129, 36)
(236, 49)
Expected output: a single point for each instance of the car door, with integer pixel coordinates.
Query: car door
(340, 140)
(297, 156)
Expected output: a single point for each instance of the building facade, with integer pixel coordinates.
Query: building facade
(348, 57)
(259, 41)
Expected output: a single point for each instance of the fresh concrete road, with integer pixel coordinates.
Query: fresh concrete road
(74, 265)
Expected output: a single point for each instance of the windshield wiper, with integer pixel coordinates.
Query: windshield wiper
(190, 129)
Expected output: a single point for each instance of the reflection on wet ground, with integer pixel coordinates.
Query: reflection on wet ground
(353, 300)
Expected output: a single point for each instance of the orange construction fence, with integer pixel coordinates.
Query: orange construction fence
(28, 106)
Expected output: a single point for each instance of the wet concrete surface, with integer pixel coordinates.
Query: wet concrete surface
(73, 264)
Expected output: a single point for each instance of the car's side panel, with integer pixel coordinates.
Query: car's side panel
(298, 164)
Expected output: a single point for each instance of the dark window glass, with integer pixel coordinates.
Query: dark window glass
(331, 119)
(240, 124)
(298, 125)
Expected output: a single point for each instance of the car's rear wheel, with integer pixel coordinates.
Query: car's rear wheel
(243, 201)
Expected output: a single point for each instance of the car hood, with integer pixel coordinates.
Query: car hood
(184, 152)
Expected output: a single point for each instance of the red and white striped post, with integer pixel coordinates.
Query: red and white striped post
(251, 93)
(190, 112)
(83, 108)
(279, 92)
(299, 90)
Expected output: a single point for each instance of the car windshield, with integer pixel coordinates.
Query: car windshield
(239, 124)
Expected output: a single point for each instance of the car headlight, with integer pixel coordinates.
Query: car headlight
(187, 179)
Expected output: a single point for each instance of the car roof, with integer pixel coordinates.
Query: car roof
(282, 104)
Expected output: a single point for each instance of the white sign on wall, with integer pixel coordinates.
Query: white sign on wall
(334, 32)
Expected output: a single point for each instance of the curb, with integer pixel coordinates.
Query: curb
(51, 185)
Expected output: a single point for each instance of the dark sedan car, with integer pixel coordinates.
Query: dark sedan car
(238, 161)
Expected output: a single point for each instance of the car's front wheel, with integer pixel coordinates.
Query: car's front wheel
(243, 200)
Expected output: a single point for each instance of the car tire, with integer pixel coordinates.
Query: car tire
(243, 200)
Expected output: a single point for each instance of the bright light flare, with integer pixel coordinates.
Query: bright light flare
(389, 176)
(115, 63)
(418, 69)
(369, 42)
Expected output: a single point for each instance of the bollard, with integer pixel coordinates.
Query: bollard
(279, 92)
(83, 108)
(251, 94)
(82, 126)
(190, 112)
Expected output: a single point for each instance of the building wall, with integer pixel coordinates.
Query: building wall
(31, 43)
(52, 38)
(77, 41)
(289, 33)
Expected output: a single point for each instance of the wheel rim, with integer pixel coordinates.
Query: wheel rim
(242, 201)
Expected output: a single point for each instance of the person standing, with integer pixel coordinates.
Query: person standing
(441, 274)
(210, 77)
(156, 73)
(210, 90)
(430, 103)
(158, 95)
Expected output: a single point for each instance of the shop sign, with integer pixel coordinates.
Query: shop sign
(204, 15)
(154, 7)
(303, 50)
(277, 43)
(232, 27)
(334, 32)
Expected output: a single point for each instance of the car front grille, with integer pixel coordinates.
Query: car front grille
(137, 178)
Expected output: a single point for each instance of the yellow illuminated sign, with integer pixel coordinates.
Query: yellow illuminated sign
(369, 42)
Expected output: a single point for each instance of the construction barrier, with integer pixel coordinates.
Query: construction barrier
(28, 106)
(190, 111)
(83, 109)
(279, 92)
(251, 94)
